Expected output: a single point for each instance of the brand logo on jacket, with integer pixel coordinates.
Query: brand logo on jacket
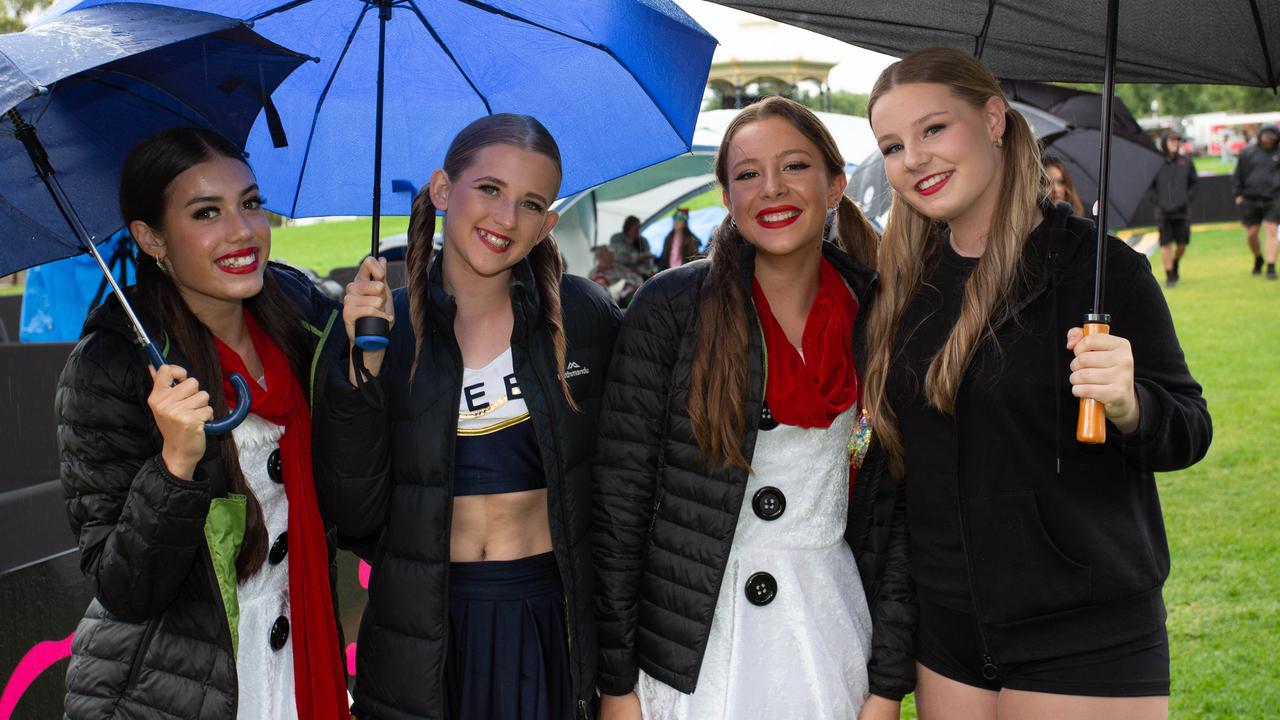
(573, 370)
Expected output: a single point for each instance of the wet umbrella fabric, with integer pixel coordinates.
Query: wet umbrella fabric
(76, 99)
(94, 83)
(617, 82)
(1235, 42)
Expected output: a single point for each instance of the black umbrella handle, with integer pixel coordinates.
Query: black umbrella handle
(373, 333)
(26, 132)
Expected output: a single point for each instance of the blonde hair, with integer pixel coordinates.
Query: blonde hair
(909, 237)
(719, 376)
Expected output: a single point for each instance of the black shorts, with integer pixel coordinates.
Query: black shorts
(1175, 230)
(1254, 210)
(948, 644)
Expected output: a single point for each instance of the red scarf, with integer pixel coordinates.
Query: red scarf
(811, 392)
(319, 683)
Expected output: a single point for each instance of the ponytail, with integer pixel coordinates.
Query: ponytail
(717, 401)
(548, 269)
(422, 231)
(855, 234)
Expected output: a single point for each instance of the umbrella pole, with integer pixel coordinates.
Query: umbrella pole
(1091, 427)
(26, 132)
(373, 333)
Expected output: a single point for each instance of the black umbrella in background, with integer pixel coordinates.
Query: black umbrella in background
(1065, 41)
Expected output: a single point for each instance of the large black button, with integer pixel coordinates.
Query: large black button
(279, 548)
(274, 471)
(769, 502)
(761, 588)
(279, 632)
(767, 421)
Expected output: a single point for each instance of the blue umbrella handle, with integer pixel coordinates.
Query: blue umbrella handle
(238, 383)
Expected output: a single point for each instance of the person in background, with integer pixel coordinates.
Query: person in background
(620, 281)
(1061, 187)
(1171, 192)
(631, 249)
(681, 245)
(1255, 183)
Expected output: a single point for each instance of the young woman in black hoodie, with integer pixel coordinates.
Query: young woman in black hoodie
(1038, 561)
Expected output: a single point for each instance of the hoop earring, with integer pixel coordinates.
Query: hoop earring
(998, 142)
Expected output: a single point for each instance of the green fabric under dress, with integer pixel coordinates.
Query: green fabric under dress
(224, 531)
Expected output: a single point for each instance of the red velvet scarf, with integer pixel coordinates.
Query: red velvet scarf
(319, 683)
(811, 392)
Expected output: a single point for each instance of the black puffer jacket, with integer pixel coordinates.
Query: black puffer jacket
(653, 490)
(387, 480)
(154, 642)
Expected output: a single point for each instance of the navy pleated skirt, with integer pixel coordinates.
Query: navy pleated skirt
(508, 645)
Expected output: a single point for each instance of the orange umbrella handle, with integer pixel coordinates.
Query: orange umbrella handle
(1091, 427)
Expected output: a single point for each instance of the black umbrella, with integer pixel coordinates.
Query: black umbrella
(1065, 121)
(1060, 40)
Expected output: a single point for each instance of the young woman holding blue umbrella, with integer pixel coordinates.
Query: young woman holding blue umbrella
(456, 460)
(1038, 560)
(208, 557)
(740, 575)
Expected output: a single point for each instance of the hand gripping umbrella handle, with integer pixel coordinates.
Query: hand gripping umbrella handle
(238, 383)
(372, 333)
(1091, 427)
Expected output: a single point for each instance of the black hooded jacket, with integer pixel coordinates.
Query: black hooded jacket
(154, 643)
(661, 513)
(386, 478)
(1064, 543)
(1257, 173)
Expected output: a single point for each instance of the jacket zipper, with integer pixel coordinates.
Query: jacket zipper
(990, 668)
(141, 653)
(564, 520)
(448, 523)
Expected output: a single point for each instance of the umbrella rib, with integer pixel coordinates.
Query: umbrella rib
(1262, 40)
(980, 42)
(598, 46)
(315, 117)
(279, 9)
(440, 41)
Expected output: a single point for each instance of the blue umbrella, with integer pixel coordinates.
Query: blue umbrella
(618, 83)
(81, 90)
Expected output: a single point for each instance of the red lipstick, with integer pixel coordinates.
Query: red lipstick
(793, 211)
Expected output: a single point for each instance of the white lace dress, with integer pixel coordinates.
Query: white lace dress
(265, 674)
(804, 654)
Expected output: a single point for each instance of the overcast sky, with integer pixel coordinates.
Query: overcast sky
(856, 70)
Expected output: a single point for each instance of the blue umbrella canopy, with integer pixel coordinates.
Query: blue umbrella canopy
(92, 83)
(618, 83)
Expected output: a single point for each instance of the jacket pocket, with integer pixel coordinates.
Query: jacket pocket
(1019, 572)
(141, 653)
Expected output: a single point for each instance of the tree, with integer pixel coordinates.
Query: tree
(13, 13)
(1192, 99)
(847, 103)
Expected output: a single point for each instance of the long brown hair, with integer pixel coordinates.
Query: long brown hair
(148, 171)
(909, 237)
(526, 133)
(1073, 197)
(717, 401)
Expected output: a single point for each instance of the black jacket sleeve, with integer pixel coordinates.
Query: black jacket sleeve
(892, 670)
(626, 472)
(1239, 174)
(1174, 427)
(353, 457)
(140, 529)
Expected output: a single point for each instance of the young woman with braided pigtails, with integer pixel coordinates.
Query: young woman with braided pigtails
(739, 572)
(456, 460)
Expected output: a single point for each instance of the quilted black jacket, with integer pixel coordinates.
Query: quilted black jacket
(386, 477)
(154, 643)
(661, 513)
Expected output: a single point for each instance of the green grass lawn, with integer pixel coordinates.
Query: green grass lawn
(326, 246)
(1213, 165)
